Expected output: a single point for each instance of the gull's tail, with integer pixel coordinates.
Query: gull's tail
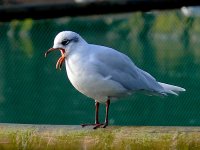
(171, 89)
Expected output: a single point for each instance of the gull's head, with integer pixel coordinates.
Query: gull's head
(66, 42)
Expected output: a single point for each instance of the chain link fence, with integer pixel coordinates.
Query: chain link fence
(164, 43)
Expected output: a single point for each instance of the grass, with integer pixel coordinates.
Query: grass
(28, 137)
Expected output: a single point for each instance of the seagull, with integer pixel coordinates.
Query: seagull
(104, 74)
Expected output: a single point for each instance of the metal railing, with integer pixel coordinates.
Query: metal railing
(54, 10)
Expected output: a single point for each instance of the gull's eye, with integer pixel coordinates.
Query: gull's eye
(65, 42)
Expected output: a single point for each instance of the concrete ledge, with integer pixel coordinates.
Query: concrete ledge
(16, 136)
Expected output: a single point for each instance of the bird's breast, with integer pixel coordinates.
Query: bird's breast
(79, 75)
(85, 78)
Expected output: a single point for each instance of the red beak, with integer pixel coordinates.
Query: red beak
(61, 59)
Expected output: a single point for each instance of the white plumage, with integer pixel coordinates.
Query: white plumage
(103, 73)
(99, 71)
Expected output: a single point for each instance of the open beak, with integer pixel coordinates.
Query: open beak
(61, 59)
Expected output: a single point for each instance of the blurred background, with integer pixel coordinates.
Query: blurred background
(164, 43)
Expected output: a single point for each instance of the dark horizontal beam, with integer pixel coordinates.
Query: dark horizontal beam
(50, 10)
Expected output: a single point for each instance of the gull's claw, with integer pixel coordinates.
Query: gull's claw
(96, 125)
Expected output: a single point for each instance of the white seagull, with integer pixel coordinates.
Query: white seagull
(104, 74)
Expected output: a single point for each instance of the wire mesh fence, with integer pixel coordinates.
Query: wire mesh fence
(164, 43)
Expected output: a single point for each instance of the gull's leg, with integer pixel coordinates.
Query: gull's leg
(96, 124)
(97, 112)
(107, 110)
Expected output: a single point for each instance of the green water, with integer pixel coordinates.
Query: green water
(167, 45)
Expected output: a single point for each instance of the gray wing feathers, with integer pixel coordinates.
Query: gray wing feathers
(124, 71)
(172, 89)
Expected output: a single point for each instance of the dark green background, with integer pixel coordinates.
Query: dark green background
(165, 44)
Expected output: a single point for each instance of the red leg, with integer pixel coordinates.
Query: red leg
(107, 111)
(97, 124)
(97, 112)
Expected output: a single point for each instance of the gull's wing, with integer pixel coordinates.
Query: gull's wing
(119, 67)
